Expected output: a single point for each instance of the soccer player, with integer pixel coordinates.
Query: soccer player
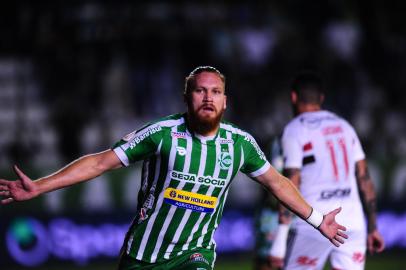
(190, 160)
(323, 157)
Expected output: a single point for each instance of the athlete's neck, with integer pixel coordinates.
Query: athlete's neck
(307, 107)
(211, 133)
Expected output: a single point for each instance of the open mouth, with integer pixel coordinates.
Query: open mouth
(208, 109)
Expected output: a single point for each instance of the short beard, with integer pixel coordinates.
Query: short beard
(201, 125)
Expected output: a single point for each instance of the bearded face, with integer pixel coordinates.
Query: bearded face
(206, 103)
(206, 118)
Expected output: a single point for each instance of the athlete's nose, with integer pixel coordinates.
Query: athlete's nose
(208, 96)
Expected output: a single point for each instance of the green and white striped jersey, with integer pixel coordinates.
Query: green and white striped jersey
(185, 181)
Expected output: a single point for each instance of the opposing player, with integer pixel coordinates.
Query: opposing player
(190, 160)
(324, 159)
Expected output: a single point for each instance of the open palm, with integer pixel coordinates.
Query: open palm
(332, 230)
(19, 190)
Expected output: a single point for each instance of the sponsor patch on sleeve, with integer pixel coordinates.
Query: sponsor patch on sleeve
(129, 136)
(136, 138)
(190, 200)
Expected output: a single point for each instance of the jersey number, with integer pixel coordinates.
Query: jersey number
(334, 152)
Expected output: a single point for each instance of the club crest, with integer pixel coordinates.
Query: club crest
(225, 160)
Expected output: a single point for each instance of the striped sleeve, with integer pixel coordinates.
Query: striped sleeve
(138, 145)
(255, 162)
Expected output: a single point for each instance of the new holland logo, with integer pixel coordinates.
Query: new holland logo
(172, 194)
(225, 160)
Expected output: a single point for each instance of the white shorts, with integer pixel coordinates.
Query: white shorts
(309, 249)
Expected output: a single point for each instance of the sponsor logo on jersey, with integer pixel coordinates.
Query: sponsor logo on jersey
(225, 160)
(226, 141)
(190, 200)
(181, 135)
(311, 123)
(129, 136)
(304, 260)
(314, 122)
(335, 193)
(143, 215)
(193, 178)
(358, 257)
(147, 205)
(139, 138)
(181, 150)
(197, 257)
(250, 139)
(149, 202)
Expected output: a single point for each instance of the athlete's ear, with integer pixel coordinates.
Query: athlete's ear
(225, 102)
(293, 97)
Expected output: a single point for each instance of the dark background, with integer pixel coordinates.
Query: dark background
(76, 76)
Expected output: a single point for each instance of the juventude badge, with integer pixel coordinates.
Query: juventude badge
(225, 160)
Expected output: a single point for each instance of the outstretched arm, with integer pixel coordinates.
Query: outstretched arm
(278, 250)
(368, 197)
(82, 169)
(290, 197)
(285, 216)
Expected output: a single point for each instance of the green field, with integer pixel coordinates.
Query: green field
(386, 261)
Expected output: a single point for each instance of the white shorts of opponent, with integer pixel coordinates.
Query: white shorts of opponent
(308, 249)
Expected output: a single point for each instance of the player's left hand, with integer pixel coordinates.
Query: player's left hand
(375, 242)
(332, 230)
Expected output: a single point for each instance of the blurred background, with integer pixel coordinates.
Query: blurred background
(76, 76)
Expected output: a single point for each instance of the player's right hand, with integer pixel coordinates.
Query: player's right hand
(375, 242)
(19, 190)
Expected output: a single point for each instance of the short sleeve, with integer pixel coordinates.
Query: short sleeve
(358, 152)
(255, 162)
(292, 150)
(138, 145)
